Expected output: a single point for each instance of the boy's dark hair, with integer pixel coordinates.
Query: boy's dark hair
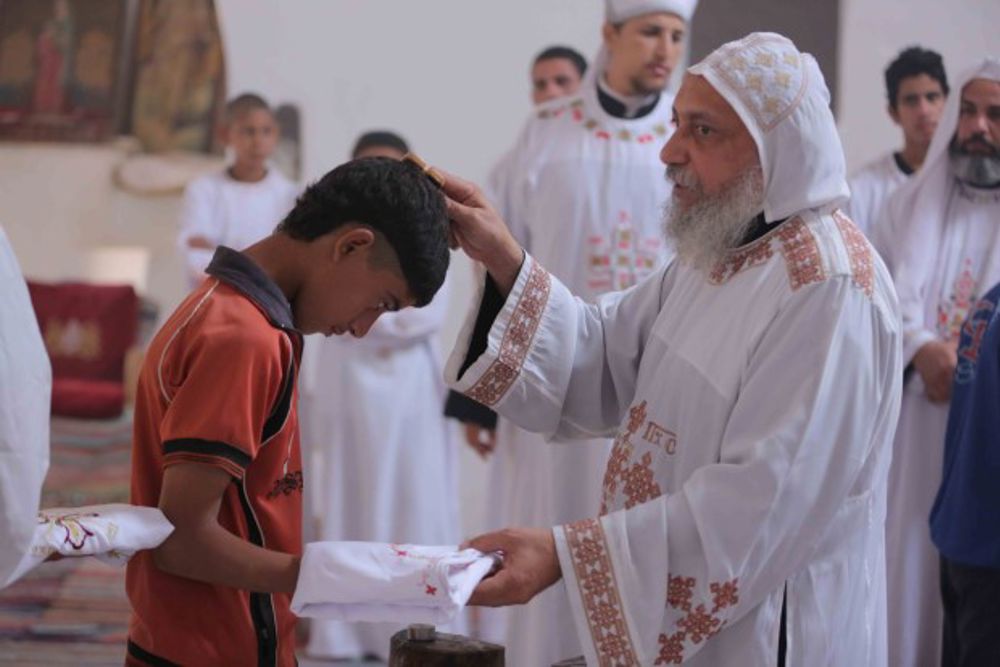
(245, 103)
(912, 62)
(383, 138)
(570, 54)
(394, 198)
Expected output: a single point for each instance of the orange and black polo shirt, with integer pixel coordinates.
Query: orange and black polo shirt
(218, 388)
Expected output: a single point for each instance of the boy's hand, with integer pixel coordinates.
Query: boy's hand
(480, 232)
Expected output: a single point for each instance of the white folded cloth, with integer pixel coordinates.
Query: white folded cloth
(112, 533)
(377, 582)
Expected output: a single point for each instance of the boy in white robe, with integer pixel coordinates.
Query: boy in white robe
(384, 464)
(753, 384)
(917, 86)
(238, 206)
(947, 254)
(25, 392)
(584, 193)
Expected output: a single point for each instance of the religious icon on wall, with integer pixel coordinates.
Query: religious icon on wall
(59, 68)
(180, 80)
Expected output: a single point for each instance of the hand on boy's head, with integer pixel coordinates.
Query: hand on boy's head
(478, 229)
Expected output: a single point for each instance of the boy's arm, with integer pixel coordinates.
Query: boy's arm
(201, 549)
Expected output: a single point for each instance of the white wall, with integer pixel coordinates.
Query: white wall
(450, 75)
(873, 32)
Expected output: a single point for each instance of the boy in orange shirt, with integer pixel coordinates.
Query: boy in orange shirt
(216, 443)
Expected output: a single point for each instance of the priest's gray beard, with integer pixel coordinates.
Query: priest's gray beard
(703, 232)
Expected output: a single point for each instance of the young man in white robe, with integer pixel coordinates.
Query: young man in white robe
(753, 384)
(946, 226)
(25, 392)
(916, 85)
(555, 72)
(584, 194)
(383, 459)
(238, 206)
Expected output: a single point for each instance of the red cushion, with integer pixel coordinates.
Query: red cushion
(87, 399)
(87, 328)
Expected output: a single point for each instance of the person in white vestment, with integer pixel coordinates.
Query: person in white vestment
(242, 204)
(916, 85)
(25, 392)
(383, 458)
(946, 227)
(555, 72)
(584, 193)
(753, 386)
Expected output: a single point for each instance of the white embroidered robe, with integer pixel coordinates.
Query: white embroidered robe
(382, 462)
(25, 394)
(754, 416)
(583, 191)
(966, 265)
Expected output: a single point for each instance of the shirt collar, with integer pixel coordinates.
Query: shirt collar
(624, 106)
(242, 273)
(901, 164)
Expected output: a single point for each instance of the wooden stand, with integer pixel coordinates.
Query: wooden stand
(440, 650)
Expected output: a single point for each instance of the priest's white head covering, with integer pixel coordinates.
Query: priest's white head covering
(780, 95)
(619, 11)
(916, 212)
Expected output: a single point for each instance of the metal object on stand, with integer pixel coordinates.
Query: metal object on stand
(422, 646)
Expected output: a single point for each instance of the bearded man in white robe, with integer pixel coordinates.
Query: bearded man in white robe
(583, 192)
(945, 224)
(753, 386)
(25, 392)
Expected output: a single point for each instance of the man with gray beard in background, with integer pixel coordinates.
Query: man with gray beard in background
(752, 386)
(942, 232)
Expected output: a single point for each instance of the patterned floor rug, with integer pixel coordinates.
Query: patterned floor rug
(73, 611)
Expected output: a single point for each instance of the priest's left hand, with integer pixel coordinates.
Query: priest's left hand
(530, 565)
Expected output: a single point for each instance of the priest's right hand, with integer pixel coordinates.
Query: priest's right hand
(530, 565)
(936, 362)
(478, 229)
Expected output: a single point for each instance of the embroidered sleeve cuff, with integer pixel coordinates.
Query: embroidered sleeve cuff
(490, 376)
(219, 454)
(594, 594)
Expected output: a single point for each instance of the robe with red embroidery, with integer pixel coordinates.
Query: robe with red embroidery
(753, 410)
(583, 191)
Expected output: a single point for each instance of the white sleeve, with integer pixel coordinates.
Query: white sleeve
(859, 207)
(894, 242)
(554, 364)
(799, 473)
(199, 217)
(509, 187)
(25, 392)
